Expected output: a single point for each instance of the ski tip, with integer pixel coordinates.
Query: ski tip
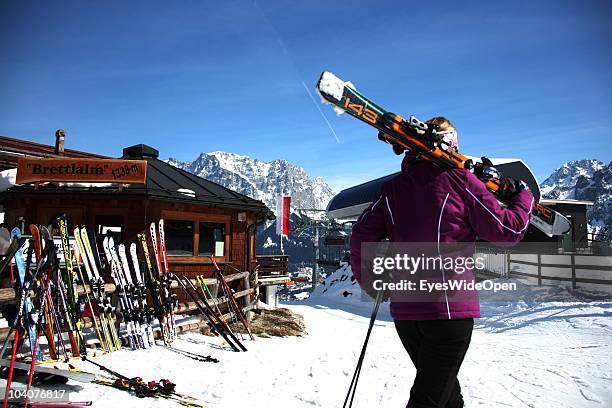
(330, 87)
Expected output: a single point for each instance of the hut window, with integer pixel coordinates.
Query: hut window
(110, 225)
(212, 239)
(179, 237)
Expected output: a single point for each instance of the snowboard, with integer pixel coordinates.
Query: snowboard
(417, 137)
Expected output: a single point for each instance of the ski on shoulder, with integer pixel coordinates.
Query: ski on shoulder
(422, 140)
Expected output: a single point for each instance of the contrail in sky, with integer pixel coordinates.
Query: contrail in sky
(286, 52)
(321, 112)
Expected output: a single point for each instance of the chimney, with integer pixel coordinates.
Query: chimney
(60, 136)
(140, 151)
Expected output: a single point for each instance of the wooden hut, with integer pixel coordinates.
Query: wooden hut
(201, 217)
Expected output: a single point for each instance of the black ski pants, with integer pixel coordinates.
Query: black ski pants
(437, 349)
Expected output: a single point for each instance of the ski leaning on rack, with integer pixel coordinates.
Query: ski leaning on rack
(422, 140)
(154, 287)
(67, 293)
(18, 324)
(140, 292)
(163, 276)
(48, 244)
(127, 306)
(231, 300)
(138, 311)
(216, 324)
(97, 320)
(20, 262)
(208, 297)
(49, 311)
(166, 279)
(97, 286)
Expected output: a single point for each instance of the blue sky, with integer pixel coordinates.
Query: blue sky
(529, 80)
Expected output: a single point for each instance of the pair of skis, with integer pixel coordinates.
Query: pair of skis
(138, 332)
(203, 298)
(422, 140)
(139, 292)
(159, 280)
(67, 295)
(232, 304)
(163, 388)
(86, 250)
(216, 322)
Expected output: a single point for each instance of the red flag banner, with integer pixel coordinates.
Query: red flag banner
(283, 213)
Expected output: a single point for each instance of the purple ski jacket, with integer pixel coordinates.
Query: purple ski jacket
(427, 203)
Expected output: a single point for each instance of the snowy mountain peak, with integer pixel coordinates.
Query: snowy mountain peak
(589, 180)
(262, 180)
(562, 183)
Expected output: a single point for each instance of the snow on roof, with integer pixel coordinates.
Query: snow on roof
(7, 179)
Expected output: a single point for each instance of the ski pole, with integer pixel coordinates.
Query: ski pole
(9, 378)
(108, 370)
(353, 387)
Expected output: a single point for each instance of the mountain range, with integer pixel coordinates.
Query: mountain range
(589, 180)
(261, 180)
(266, 181)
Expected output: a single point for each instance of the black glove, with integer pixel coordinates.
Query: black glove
(397, 149)
(486, 171)
(511, 187)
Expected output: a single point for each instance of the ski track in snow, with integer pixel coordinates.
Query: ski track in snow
(522, 355)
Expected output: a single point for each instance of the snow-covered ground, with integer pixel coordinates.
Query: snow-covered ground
(528, 353)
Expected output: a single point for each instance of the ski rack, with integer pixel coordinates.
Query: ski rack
(86, 265)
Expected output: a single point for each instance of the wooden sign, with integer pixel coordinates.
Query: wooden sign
(39, 170)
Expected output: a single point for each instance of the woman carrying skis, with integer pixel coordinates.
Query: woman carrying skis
(427, 203)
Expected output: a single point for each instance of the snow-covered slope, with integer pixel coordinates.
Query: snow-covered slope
(585, 180)
(547, 346)
(259, 179)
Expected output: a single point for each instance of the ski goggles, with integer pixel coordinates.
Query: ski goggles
(449, 137)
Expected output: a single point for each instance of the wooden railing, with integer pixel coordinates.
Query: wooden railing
(586, 270)
(272, 265)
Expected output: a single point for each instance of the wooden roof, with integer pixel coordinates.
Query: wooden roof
(164, 182)
(11, 149)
